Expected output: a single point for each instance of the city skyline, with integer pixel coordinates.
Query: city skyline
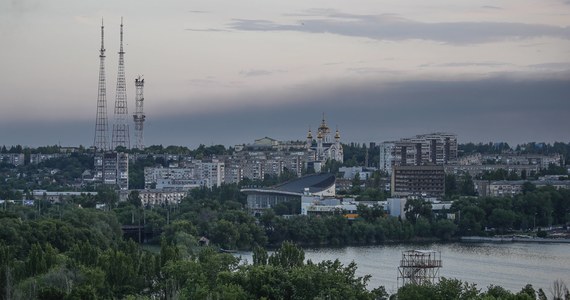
(223, 73)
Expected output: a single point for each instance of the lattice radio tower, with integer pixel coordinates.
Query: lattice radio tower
(121, 127)
(101, 127)
(139, 116)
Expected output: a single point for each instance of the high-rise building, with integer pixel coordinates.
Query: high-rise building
(387, 156)
(112, 168)
(425, 149)
(424, 181)
(195, 174)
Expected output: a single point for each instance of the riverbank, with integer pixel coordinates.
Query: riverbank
(485, 264)
(510, 239)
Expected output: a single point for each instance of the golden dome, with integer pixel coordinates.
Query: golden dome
(324, 128)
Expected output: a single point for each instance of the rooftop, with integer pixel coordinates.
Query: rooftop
(315, 183)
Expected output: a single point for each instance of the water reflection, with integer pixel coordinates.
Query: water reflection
(508, 265)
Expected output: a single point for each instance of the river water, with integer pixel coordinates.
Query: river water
(510, 265)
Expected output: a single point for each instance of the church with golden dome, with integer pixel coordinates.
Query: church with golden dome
(327, 147)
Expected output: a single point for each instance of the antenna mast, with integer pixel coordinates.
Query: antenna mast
(139, 116)
(121, 127)
(101, 125)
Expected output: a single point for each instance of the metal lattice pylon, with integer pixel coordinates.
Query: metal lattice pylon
(139, 116)
(101, 127)
(121, 127)
(419, 267)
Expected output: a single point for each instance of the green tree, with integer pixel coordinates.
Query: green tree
(134, 199)
(444, 229)
(528, 290)
(416, 208)
(501, 219)
(467, 186)
(288, 256)
(451, 187)
(107, 196)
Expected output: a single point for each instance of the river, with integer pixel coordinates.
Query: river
(510, 265)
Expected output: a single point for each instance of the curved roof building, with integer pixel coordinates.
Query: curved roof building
(261, 198)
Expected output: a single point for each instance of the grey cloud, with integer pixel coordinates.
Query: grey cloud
(20, 6)
(212, 82)
(333, 63)
(552, 66)
(491, 7)
(494, 109)
(207, 30)
(258, 72)
(369, 70)
(199, 11)
(468, 64)
(394, 27)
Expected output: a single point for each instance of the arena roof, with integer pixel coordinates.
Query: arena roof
(315, 183)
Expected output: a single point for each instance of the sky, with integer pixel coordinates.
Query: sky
(228, 72)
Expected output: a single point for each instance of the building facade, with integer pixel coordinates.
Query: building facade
(112, 168)
(426, 149)
(260, 199)
(16, 159)
(424, 181)
(195, 174)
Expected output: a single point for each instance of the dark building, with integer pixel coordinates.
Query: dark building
(262, 198)
(427, 181)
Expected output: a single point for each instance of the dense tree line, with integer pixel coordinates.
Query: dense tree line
(63, 252)
(459, 290)
(527, 148)
(545, 149)
(487, 148)
(355, 155)
(459, 185)
(200, 152)
(219, 214)
(82, 256)
(541, 207)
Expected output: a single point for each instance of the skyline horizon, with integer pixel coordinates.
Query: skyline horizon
(217, 73)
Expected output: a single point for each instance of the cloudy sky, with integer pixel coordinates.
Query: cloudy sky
(224, 71)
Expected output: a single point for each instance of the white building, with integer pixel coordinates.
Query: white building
(396, 207)
(318, 205)
(160, 197)
(57, 196)
(16, 159)
(434, 148)
(195, 174)
(351, 172)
